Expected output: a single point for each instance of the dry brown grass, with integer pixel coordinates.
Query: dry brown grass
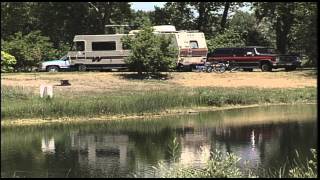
(258, 79)
(114, 82)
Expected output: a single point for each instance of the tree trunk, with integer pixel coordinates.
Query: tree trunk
(201, 16)
(139, 70)
(283, 26)
(139, 73)
(225, 15)
(280, 37)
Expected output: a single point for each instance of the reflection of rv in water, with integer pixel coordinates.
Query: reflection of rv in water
(107, 52)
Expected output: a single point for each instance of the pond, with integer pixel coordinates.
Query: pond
(265, 136)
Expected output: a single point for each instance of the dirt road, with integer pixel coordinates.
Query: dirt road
(117, 81)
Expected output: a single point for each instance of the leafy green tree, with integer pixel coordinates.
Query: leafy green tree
(7, 62)
(207, 16)
(229, 38)
(246, 25)
(29, 49)
(281, 15)
(178, 14)
(227, 8)
(150, 52)
(303, 37)
(140, 19)
(293, 23)
(60, 21)
(16, 16)
(109, 13)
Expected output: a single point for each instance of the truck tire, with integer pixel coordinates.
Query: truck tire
(82, 68)
(266, 67)
(52, 69)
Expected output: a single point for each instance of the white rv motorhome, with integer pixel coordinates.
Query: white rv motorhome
(107, 52)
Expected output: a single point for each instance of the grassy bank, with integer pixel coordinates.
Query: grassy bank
(18, 102)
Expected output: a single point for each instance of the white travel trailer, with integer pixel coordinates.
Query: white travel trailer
(107, 51)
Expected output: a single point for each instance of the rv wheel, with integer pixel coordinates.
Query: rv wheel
(52, 69)
(82, 67)
(180, 67)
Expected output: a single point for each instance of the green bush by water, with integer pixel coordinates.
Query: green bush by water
(226, 166)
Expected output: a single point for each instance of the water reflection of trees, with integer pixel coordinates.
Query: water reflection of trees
(274, 143)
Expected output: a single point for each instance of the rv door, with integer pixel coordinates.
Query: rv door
(78, 52)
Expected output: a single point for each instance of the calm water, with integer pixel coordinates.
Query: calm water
(266, 136)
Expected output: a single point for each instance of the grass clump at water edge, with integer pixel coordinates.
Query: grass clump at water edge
(220, 166)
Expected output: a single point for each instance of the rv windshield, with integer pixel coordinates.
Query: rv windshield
(64, 58)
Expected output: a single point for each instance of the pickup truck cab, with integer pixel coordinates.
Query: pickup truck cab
(254, 57)
(55, 65)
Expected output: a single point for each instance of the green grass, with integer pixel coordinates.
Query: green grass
(226, 166)
(18, 102)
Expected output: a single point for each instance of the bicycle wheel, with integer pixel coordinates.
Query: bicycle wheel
(208, 69)
(220, 68)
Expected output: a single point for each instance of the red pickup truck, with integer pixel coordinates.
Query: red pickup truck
(254, 57)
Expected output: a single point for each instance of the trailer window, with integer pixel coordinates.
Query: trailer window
(78, 46)
(194, 44)
(104, 46)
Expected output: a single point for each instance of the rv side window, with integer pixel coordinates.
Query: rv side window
(194, 44)
(78, 46)
(104, 46)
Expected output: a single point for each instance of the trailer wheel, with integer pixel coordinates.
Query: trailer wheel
(180, 67)
(82, 67)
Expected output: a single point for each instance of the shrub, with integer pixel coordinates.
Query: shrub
(150, 52)
(218, 167)
(29, 49)
(308, 170)
(229, 38)
(7, 62)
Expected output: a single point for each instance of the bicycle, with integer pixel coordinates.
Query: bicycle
(201, 68)
(216, 67)
(232, 67)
